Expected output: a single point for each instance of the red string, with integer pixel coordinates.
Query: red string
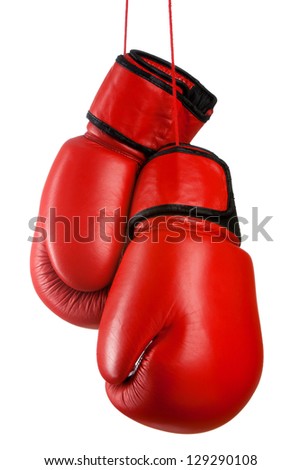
(173, 67)
(126, 25)
(173, 75)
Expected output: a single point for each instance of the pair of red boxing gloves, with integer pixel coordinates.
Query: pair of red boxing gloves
(140, 238)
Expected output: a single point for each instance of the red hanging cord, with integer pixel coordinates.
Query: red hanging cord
(173, 74)
(173, 68)
(126, 25)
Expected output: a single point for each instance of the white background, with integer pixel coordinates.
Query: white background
(54, 56)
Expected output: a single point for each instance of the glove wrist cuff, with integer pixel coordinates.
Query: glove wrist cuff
(134, 104)
(185, 181)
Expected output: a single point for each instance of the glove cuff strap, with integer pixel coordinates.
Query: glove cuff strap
(134, 103)
(185, 181)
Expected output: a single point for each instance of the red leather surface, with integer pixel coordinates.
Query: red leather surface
(84, 179)
(168, 71)
(79, 308)
(159, 67)
(97, 172)
(178, 178)
(180, 341)
(196, 304)
(141, 110)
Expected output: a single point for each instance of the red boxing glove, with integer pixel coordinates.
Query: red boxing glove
(180, 344)
(80, 233)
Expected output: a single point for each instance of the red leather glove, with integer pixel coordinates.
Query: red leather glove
(180, 344)
(93, 177)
